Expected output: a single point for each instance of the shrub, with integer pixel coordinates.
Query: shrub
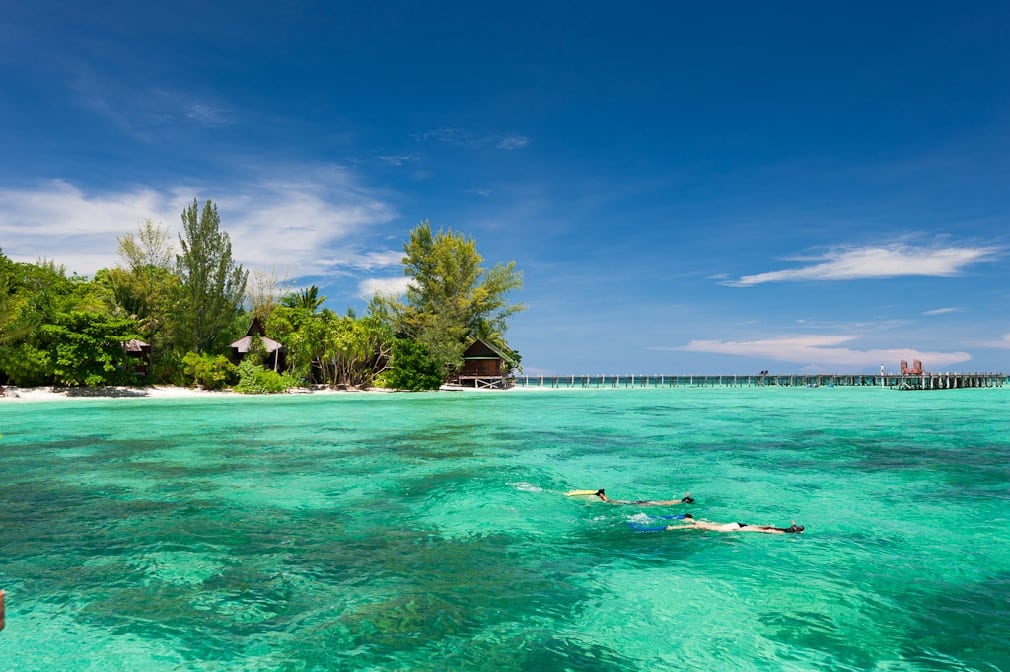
(208, 371)
(413, 368)
(254, 379)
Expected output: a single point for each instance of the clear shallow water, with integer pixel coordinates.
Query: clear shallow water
(430, 532)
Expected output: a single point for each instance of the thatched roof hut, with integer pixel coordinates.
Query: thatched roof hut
(274, 349)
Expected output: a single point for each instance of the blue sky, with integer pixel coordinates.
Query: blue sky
(688, 187)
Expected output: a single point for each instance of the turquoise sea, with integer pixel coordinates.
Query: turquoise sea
(431, 531)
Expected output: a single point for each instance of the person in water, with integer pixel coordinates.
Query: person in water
(687, 499)
(692, 523)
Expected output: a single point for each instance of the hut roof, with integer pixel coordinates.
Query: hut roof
(243, 344)
(135, 345)
(481, 348)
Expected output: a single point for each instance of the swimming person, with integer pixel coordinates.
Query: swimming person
(692, 523)
(687, 499)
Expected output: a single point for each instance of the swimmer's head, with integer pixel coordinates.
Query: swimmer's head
(688, 516)
(795, 528)
(600, 493)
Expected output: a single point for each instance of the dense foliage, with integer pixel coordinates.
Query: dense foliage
(186, 308)
(414, 368)
(211, 372)
(254, 379)
(451, 298)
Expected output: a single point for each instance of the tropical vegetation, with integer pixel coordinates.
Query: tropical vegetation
(189, 304)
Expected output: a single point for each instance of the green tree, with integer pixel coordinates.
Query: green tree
(86, 348)
(11, 304)
(37, 294)
(413, 368)
(306, 299)
(151, 247)
(337, 350)
(451, 297)
(61, 330)
(144, 286)
(211, 372)
(213, 284)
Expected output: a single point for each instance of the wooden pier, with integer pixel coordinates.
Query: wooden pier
(921, 381)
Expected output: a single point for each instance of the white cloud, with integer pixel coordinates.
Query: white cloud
(877, 262)
(822, 351)
(366, 261)
(1003, 343)
(941, 311)
(59, 222)
(388, 286)
(306, 226)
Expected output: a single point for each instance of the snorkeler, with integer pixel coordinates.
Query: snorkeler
(687, 499)
(692, 523)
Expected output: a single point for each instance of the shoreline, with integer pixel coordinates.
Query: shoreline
(37, 394)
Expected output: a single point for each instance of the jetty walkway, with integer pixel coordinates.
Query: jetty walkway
(919, 381)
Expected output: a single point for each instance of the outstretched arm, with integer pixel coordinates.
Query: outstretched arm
(686, 499)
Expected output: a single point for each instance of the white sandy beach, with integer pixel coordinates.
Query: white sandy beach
(30, 394)
(34, 394)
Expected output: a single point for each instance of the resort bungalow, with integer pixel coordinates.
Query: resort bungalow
(141, 353)
(486, 365)
(274, 351)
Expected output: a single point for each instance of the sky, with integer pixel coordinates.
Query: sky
(687, 187)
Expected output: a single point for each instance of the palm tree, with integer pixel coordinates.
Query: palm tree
(307, 299)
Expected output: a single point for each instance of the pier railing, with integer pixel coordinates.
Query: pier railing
(922, 381)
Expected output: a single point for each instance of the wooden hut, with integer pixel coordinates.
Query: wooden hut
(140, 353)
(486, 365)
(274, 358)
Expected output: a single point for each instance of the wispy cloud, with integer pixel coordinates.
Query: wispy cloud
(1002, 343)
(58, 221)
(397, 159)
(464, 138)
(820, 352)
(510, 142)
(388, 286)
(140, 109)
(941, 311)
(312, 225)
(853, 263)
(354, 260)
(204, 114)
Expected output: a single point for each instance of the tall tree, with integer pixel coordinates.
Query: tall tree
(144, 286)
(451, 297)
(152, 246)
(213, 285)
(262, 292)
